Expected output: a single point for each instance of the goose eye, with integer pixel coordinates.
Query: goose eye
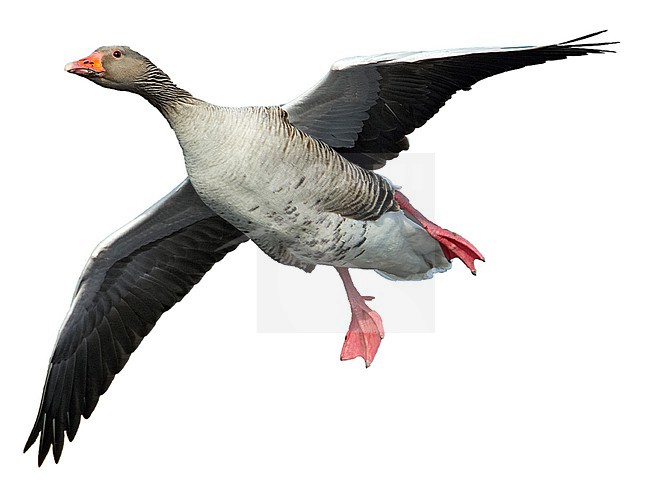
(117, 54)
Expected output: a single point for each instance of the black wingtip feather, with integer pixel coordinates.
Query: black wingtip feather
(46, 440)
(74, 422)
(594, 44)
(588, 36)
(32, 437)
(57, 443)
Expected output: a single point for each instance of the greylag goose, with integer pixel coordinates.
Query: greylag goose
(296, 179)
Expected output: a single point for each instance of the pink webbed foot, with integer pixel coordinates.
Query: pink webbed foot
(452, 244)
(366, 329)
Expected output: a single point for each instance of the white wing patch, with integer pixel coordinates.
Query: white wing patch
(395, 57)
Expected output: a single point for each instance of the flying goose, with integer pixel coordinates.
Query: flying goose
(296, 179)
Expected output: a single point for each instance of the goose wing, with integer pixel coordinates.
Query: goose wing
(131, 279)
(365, 106)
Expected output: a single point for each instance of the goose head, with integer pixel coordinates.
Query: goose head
(116, 67)
(122, 68)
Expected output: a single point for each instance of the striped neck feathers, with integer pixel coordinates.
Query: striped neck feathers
(159, 90)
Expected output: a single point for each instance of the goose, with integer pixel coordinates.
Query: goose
(298, 180)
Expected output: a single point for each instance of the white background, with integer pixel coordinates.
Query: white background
(538, 370)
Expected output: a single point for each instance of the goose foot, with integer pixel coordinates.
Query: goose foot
(452, 244)
(366, 330)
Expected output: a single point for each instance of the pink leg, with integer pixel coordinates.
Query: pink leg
(453, 245)
(366, 331)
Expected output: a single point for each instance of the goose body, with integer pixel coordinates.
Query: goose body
(301, 202)
(297, 179)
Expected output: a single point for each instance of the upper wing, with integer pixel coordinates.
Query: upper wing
(131, 279)
(365, 106)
